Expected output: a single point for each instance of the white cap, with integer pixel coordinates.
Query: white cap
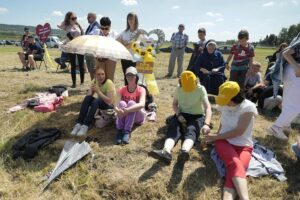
(211, 42)
(131, 70)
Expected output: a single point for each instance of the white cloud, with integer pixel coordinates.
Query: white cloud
(175, 7)
(211, 14)
(204, 24)
(57, 13)
(294, 2)
(220, 19)
(3, 10)
(271, 3)
(129, 2)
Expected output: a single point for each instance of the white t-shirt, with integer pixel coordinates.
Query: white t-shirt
(229, 120)
(111, 34)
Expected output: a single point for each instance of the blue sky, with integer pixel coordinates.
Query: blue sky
(222, 19)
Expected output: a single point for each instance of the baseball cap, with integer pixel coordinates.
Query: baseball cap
(188, 81)
(131, 70)
(227, 91)
(211, 42)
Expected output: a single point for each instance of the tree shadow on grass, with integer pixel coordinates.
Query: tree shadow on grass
(290, 165)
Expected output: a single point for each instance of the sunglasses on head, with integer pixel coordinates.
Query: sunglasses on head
(73, 18)
(105, 28)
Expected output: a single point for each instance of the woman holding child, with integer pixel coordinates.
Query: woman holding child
(234, 138)
(105, 90)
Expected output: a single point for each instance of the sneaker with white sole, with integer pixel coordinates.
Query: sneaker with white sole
(277, 132)
(83, 130)
(76, 128)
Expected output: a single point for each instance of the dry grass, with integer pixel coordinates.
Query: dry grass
(118, 172)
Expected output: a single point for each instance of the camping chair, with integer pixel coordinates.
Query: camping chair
(41, 60)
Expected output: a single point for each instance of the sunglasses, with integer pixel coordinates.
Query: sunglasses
(130, 75)
(105, 28)
(73, 18)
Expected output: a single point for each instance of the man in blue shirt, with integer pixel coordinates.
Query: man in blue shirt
(179, 41)
(34, 52)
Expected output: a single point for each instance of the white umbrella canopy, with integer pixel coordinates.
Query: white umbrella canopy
(98, 46)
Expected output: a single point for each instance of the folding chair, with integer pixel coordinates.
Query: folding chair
(41, 60)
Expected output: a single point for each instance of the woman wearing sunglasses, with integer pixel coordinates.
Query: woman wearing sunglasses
(108, 65)
(73, 29)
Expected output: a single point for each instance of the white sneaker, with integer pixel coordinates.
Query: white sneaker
(76, 129)
(277, 132)
(83, 130)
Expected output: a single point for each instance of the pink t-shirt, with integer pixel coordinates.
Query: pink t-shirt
(127, 96)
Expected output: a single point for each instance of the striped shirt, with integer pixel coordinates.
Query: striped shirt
(179, 40)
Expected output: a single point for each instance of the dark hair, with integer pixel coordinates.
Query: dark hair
(26, 29)
(30, 37)
(67, 21)
(239, 98)
(202, 30)
(243, 34)
(130, 15)
(105, 21)
(136, 80)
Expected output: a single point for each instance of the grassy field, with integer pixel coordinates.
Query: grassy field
(118, 172)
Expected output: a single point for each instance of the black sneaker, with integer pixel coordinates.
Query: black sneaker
(162, 155)
(168, 76)
(183, 157)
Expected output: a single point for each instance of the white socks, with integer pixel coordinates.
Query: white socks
(169, 144)
(187, 145)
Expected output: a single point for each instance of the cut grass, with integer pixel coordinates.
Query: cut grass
(118, 172)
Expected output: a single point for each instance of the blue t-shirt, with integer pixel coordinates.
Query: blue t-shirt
(36, 47)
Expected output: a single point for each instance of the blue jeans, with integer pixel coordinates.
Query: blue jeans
(89, 107)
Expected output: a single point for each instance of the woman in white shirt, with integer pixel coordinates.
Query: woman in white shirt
(73, 29)
(234, 138)
(108, 65)
(126, 37)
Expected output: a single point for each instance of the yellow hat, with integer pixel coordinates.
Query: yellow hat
(188, 81)
(227, 91)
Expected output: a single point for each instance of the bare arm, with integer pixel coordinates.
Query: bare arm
(228, 61)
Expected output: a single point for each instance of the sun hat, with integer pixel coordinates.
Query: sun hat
(131, 70)
(211, 42)
(227, 91)
(188, 81)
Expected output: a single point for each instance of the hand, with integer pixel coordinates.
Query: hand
(120, 112)
(205, 129)
(210, 138)
(204, 71)
(227, 67)
(125, 111)
(94, 88)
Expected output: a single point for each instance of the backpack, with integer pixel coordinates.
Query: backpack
(59, 90)
(27, 146)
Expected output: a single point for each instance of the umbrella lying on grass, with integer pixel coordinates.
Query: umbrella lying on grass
(98, 46)
(71, 153)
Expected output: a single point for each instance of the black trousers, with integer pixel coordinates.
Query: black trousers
(73, 67)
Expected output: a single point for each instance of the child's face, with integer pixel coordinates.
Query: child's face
(243, 42)
(255, 69)
(201, 36)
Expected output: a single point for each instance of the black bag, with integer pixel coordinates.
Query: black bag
(27, 146)
(57, 89)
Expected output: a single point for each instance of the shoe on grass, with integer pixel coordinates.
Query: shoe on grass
(119, 137)
(83, 130)
(126, 136)
(162, 155)
(277, 132)
(183, 157)
(76, 128)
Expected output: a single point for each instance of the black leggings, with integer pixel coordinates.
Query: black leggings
(73, 67)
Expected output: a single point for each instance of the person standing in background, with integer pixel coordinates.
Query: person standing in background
(73, 29)
(93, 29)
(126, 37)
(108, 65)
(198, 48)
(179, 41)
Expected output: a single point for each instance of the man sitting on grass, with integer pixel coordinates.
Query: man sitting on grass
(34, 52)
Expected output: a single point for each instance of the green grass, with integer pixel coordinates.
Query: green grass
(118, 172)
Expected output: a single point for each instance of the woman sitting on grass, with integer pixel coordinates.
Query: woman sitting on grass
(130, 106)
(234, 138)
(105, 90)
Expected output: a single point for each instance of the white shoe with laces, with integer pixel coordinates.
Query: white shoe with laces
(76, 129)
(277, 132)
(83, 130)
